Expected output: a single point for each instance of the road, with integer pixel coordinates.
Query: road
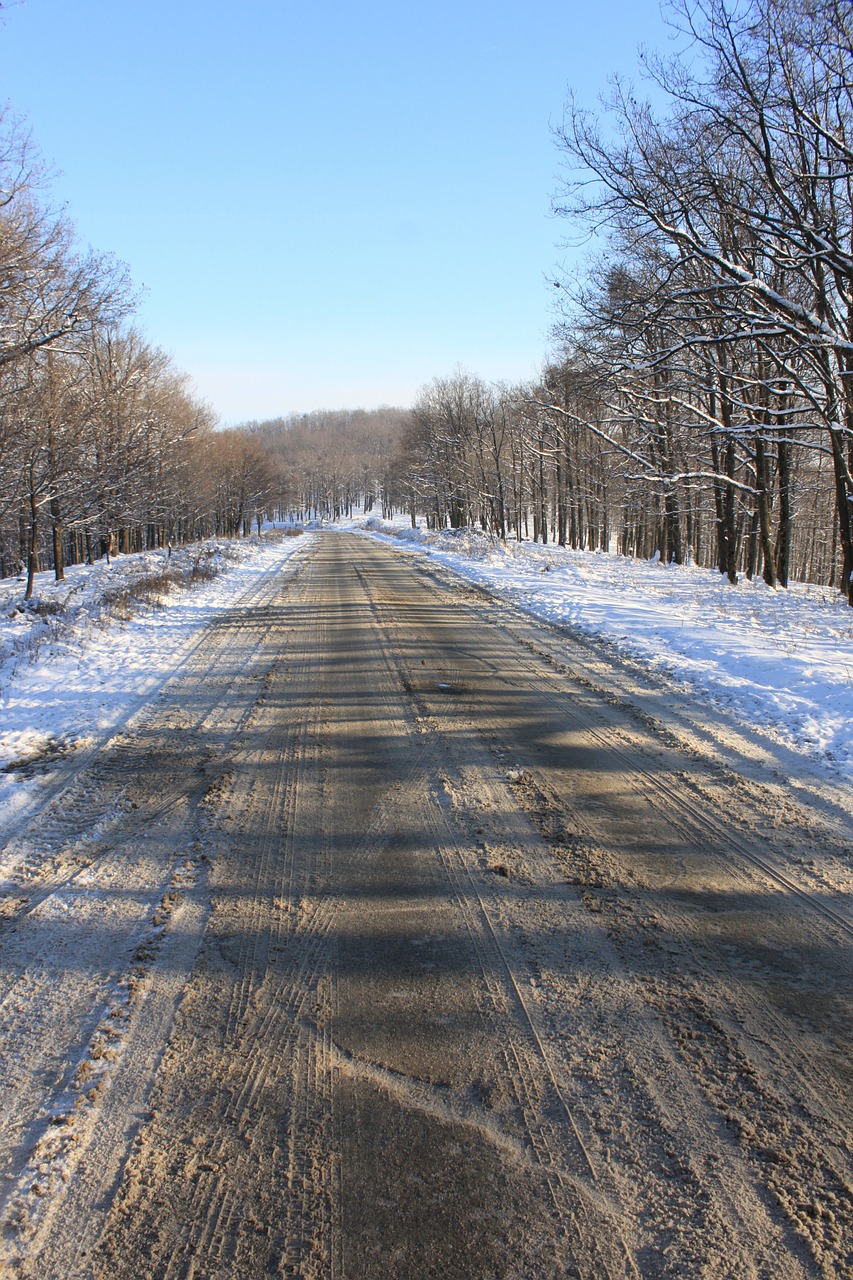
(401, 937)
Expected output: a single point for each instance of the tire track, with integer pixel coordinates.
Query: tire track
(135, 839)
(567, 1165)
(454, 717)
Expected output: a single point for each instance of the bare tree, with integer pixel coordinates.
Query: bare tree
(741, 194)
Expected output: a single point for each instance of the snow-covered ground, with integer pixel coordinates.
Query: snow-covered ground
(779, 660)
(90, 651)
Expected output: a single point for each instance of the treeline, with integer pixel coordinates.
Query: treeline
(330, 463)
(701, 403)
(498, 457)
(561, 462)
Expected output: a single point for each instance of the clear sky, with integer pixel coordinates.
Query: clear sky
(327, 203)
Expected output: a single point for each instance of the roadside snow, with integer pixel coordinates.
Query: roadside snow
(781, 660)
(78, 664)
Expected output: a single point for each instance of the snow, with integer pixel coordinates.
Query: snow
(780, 660)
(77, 664)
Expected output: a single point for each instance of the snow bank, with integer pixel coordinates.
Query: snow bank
(87, 652)
(782, 660)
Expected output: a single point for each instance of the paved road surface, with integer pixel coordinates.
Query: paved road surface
(396, 940)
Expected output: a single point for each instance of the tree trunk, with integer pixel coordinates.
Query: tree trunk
(752, 546)
(58, 545)
(32, 548)
(842, 511)
(763, 508)
(730, 515)
(720, 508)
(562, 514)
(785, 530)
(674, 553)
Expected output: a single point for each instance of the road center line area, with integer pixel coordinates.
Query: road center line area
(388, 943)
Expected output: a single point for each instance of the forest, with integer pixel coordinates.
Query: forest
(696, 404)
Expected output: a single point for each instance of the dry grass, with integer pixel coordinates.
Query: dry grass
(57, 619)
(150, 590)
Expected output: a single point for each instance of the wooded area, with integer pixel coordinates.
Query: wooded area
(701, 403)
(697, 405)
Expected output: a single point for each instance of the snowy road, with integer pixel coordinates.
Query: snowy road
(404, 935)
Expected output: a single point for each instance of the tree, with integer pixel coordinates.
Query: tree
(48, 289)
(742, 194)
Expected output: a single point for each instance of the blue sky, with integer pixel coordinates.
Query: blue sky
(327, 204)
